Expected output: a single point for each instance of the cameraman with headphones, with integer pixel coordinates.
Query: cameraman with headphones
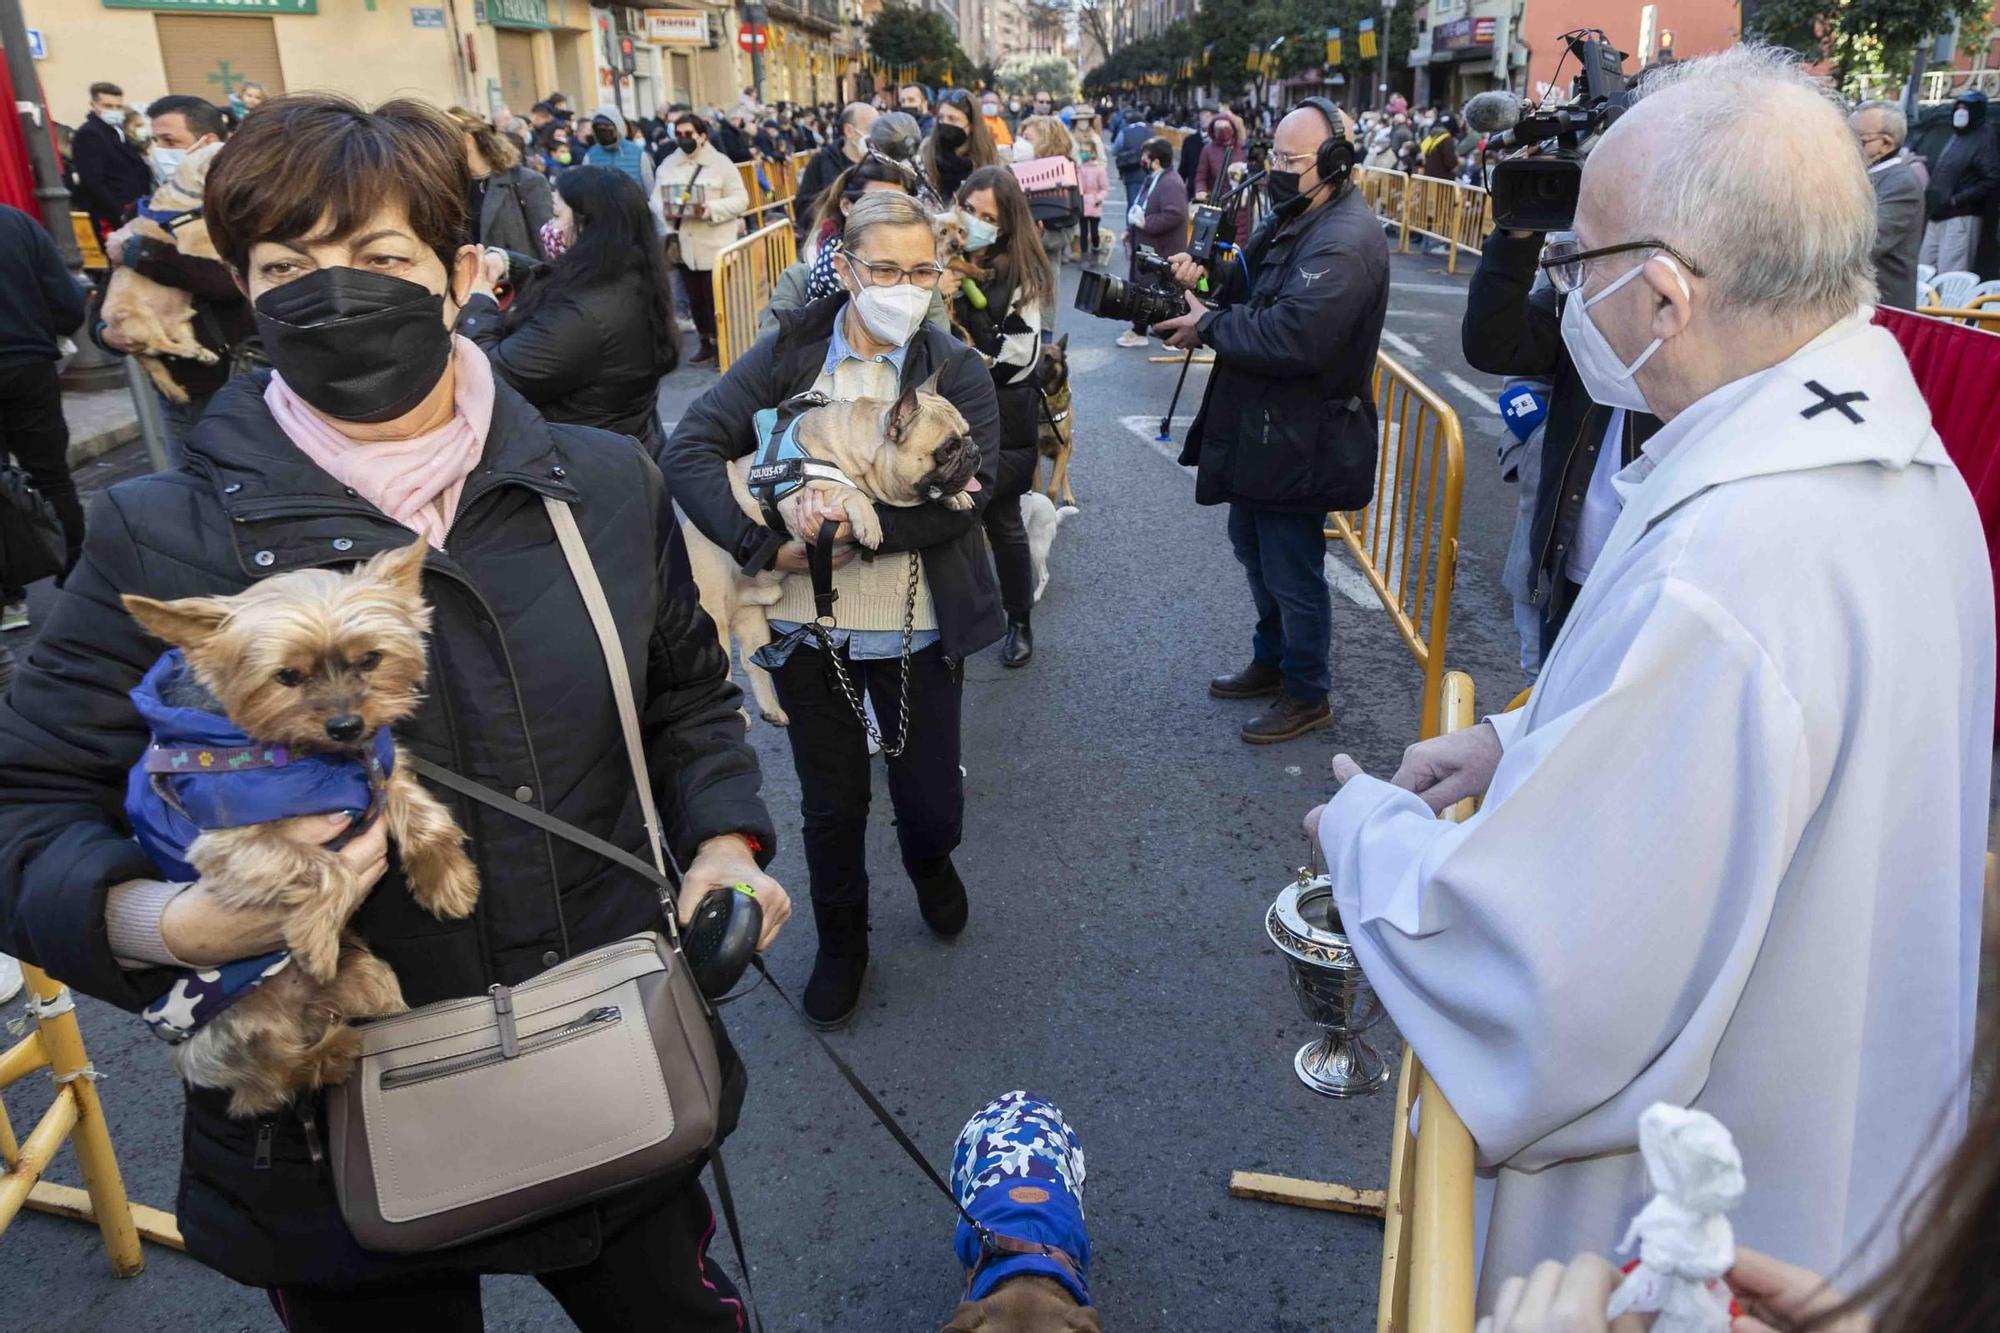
(1287, 428)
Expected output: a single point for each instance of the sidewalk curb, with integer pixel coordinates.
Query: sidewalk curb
(103, 442)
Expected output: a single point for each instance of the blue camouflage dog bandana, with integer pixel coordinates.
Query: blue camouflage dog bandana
(200, 995)
(1018, 1170)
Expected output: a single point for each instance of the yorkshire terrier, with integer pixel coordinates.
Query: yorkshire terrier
(953, 234)
(312, 668)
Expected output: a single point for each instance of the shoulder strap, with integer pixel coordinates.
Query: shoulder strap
(585, 573)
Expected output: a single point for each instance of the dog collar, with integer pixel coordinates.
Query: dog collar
(1002, 1256)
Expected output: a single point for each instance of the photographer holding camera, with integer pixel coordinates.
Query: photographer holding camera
(1287, 427)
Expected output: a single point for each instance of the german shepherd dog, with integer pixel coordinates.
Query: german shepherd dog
(1053, 414)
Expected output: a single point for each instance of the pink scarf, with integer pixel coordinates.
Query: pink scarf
(415, 481)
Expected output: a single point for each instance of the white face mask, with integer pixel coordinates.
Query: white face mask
(893, 314)
(1960, 118)
(979, 233)
(1605, 378)
(114, 117)
(165, 162)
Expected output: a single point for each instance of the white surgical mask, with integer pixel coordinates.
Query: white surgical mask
(1605, 378)
(114, 117)
(165, 162)
(1960, 118)
(893, 314)
(1023, 151)
(979, 233)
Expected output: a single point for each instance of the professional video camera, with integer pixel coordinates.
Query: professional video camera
(1536, 191)
(1109, 297)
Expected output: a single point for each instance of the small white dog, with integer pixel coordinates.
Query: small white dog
(1041, 518)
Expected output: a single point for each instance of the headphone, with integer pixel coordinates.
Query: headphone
(1335, 159)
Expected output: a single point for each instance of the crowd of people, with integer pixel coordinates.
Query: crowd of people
(1733, 766)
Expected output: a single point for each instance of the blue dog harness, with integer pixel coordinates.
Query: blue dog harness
(782, 464)
(202, 772)
(1018, 1172)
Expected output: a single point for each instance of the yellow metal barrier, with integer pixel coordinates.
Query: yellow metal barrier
(744, 275)
(1459, 215)
(1406, 540)
(56, 1045)
(1427, 1283)
(86, 242)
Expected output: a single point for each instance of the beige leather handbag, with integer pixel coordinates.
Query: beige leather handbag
(470, 1117)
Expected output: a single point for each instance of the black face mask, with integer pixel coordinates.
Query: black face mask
(687, 145)
(605, 134)
(1281, 188)
(357, 346)
(950, 136)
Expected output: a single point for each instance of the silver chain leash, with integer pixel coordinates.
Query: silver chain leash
(847, 685)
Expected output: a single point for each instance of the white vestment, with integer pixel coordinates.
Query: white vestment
(1731, 858)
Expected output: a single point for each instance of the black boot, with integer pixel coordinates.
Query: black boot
(1251, 682)
(940, 896)
(834, 991)
(1020, 644)
(705, 354)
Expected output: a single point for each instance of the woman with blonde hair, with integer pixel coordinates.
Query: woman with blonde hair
(509, 204)
(1045, 160)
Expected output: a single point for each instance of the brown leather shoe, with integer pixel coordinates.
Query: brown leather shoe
(1285, 719)
(1252, 682)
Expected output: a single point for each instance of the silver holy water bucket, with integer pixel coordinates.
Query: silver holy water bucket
(1305, 924)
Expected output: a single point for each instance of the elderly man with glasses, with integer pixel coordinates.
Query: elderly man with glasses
(1730, 851)
(1899, 181)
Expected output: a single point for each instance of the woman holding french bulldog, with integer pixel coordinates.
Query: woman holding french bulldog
(379, 431)
(1004, 317)
(904, 627)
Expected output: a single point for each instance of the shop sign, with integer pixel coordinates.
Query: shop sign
(220, 6)
(675, 27)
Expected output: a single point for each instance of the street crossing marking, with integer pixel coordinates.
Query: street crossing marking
(1471, 390)
(1466, 389)
(1343, 577)
(1402, 344)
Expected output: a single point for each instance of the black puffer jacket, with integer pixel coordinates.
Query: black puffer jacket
(584, 356)
(719, 428)
(1288, 420)
(1966, 179)
(518, 699)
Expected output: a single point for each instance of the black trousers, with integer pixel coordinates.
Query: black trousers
(830, 752)
(700, 284)
(654, 1274)
(1008, 536)
(34, 434)
(1090, 237)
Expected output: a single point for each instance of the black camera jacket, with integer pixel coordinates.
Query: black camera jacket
(1288, 422)
(518, 698)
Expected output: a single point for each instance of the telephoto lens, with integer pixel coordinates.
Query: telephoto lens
(1107, 297)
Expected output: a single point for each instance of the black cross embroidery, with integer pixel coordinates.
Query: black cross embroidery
(1837, 401)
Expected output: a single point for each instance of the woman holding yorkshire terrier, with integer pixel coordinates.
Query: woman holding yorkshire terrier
(902, 635)
(1003, 315)
(379, 427)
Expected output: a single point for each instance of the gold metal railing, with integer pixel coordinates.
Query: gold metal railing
(1405, 541)
(76, 1115)
(1428, 1280)
(1444, 210)
(744, 275)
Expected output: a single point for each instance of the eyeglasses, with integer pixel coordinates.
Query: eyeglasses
(1292, 161)
(888, 275)
(1567, 263)
(684, 138)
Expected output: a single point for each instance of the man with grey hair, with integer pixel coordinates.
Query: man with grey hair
(1730, 851)
(1880, 127)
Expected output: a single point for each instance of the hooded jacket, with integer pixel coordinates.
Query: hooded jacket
(1967, 178)
(518, 699)
(627, 155)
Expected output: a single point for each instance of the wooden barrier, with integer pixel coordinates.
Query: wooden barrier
(1428, 1282)
(744, 275)
(1978, 315)
(1405, 541)
(76, 1115)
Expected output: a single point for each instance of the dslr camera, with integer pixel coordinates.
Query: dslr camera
(1538, 191)
(1110, 297)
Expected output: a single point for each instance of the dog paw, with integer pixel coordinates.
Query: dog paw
(317, 951)
(958, 500)
(776, 716)
(448, 887)
(866, 524)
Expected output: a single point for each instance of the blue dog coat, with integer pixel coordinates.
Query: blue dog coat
(201, 773)
(1018, 1170)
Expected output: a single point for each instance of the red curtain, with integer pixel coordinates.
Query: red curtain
(17, 178)
(1958, 369)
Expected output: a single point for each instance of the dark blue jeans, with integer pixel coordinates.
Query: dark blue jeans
(1285, 557)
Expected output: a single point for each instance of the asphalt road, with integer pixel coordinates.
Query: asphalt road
(1121, 848)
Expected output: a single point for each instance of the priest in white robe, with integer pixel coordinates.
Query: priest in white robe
(1730, 852)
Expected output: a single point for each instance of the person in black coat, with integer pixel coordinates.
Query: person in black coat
(509, 203)
(1191, 146)
(1513, 326)
(39, 303)
(518, 699)
(1287, 427)
(846, 145)
(111, 172)
(593, 332)
(867, 342)
(1964, 192)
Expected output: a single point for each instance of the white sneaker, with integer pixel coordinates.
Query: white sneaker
(14, 616)
(10, 978)
(1131, 339)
